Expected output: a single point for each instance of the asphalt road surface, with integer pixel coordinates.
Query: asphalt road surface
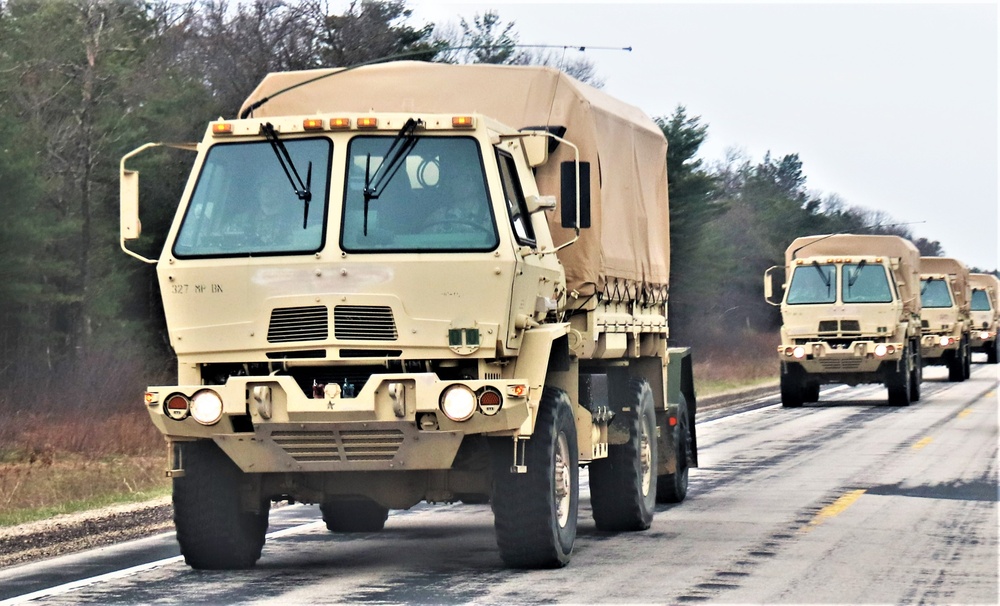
(844, 501)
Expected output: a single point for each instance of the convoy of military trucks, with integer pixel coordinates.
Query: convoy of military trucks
(414, 282)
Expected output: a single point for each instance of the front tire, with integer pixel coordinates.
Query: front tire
(900, 384)
(354, 515)
(623, 485)
(991, 353)
(535, 513)
(214, 531)
(792, 389)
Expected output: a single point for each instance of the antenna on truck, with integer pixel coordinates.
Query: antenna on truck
(407, 55)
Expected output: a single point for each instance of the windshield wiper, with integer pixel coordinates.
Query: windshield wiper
(400, 148)
(302, 190)
(822, 274)
(855, 274)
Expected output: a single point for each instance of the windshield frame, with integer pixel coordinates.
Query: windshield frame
(318, 210)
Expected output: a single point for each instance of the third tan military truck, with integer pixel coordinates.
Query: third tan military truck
(985, 315)
(850, 313)
(945, 296)
(421, 282)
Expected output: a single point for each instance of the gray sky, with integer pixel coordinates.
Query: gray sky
(892, 107)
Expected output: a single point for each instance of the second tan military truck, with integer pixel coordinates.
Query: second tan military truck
(985, 315)
(421, 282)
(850, 313)
(945, 296)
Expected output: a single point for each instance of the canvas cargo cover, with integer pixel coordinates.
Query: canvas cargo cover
(867, 245)
(951, 267)
(629, 237)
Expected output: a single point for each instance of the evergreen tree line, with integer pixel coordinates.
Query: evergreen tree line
(82, 82)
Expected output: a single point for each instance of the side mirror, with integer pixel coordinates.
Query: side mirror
(536, 149)
(131, 227)
(774, 285)
(568, 188)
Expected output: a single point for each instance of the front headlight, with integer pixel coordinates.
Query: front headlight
(458, 402)
(206, 407)
(799, 352)
(946, 341)
(881, 350)
(984, 335)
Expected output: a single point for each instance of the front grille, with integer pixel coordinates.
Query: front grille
(828, 326)
(289, 324)
(850, 326)
(840, 364)
(842, 326)
(364, 323)
(348, 446)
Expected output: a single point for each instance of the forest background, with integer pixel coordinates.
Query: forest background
(82, 82)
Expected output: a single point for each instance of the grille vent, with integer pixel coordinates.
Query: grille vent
(289, 324)
(840, 364)
(347, 446)
(846, 326)
(364, 323)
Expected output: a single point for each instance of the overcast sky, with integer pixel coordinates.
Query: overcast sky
(890, 106)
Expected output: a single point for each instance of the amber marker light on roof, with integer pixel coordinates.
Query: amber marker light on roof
(312, 124)
(462, 122)
(367, 122)
(340, 123)
(222, 128)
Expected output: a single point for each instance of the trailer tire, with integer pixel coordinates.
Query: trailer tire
(213, 530)
(535, 513)
(354, 515)
(673, 487)
(623, 485)
(792, 390)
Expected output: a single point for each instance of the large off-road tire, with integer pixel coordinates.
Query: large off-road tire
(354, 515)
(956, 365)
(214, 531)
(811, 392)
(992, 351)
(673, 487)
(792, 390)
(917, 374)
(535, 513)
(967, 371)
(900, 383)
(623, 485)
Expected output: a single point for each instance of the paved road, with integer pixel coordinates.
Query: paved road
(843, 501)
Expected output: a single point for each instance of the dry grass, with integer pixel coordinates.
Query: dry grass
(59, 453)
(728, 362)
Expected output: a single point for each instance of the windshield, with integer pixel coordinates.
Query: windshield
(437, 201)
(934, 293)
(812, 284)
(980, 302)
(864, 283)
(244, 204)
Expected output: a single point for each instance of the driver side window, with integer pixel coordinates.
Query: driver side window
(519, 218)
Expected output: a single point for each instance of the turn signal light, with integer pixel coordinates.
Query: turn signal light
(517, 391)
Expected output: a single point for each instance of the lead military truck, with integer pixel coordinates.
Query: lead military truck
(850, 313)
(420, 282)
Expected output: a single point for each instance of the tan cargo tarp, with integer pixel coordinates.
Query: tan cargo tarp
(843, 245)
(629, 233)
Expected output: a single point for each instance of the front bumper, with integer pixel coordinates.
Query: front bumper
(394, 423)
(981, 338)
(820, 357)
(935, 345)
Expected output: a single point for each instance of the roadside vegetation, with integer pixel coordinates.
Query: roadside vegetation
(81, 325)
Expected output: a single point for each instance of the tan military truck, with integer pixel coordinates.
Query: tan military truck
(421, 282)
(850, 313)
(985, 312)
(945, 297)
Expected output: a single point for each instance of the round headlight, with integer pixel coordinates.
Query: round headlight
(206, 407)
(984, 335)
(458, 402)
(799, 352)
(946, 341)
(881, 349)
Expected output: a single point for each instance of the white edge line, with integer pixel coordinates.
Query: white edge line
(753, 410)
(119, 574)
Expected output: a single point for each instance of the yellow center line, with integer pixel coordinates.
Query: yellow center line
(964, 413)
(922, 443)
(833, 509)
